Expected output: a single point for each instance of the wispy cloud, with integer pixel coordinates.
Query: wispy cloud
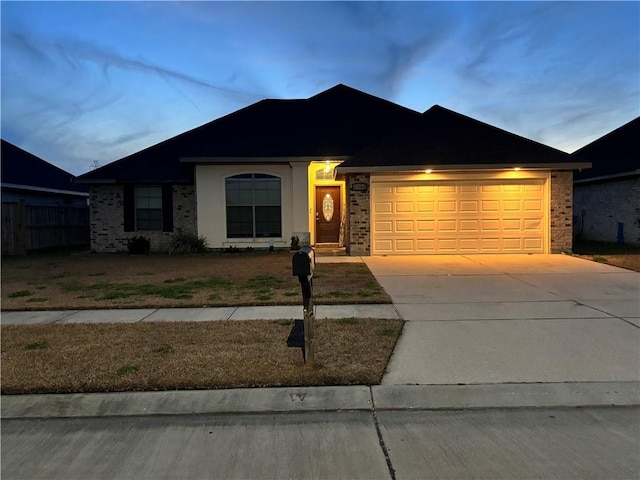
(77, 54)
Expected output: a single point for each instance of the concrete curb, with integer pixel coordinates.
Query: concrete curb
(505, 395)
(314, 399)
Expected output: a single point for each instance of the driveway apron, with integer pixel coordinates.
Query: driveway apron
(475, 319)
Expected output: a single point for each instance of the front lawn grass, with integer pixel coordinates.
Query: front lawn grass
(68, 358)
(84, 281)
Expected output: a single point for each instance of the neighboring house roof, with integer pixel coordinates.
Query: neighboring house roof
(336, 123)
(23, 170)
(613, 155)
(443, 139)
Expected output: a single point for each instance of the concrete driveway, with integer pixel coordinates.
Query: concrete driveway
(474, 319)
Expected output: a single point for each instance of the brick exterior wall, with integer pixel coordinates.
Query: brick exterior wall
(358, 222)
(107, 219)
(600, 206)
(561, 212)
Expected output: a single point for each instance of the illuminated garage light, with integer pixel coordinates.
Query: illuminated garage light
(517, 169)
(428, 170)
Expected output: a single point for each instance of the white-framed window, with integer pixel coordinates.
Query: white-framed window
(148, 211)
(253, 206)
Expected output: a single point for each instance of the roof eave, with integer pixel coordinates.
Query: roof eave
(245, 160)
(93, 181)
(615, 176)
(458, 167)
(57, 191)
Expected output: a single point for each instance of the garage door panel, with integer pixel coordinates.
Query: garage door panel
(445, 226)
(532, 242)
(511, 225)
(490, 206)
(533, 206)
(426, 226)
(490, 225)
(532, 224)
(404, 226)
(469, 206)
(383, 207)
(426, 245)
(511, 206)
(461, 216)
(383, 246)
(404, 207)
(383, 226)
(448, 206)
(403, 245)
(469, 225)
(426, 207)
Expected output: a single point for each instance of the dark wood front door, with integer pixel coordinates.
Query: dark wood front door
(328, 214)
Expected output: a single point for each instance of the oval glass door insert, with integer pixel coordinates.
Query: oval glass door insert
(327, 207)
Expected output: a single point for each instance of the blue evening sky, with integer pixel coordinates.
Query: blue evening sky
(86, 83)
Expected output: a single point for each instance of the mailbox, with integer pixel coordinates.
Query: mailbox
(303, 262)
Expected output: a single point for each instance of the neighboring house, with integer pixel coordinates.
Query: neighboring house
(341, 167)
(42, 207)
(607, 197)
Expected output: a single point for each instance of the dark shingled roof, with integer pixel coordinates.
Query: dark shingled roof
(443, 138)
(337, 122)
(26, 170)
(617, 152)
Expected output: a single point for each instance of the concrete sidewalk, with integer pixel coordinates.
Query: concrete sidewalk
(212, 314)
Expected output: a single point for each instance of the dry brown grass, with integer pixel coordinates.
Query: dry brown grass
(85, 281)
(190, 355)
(623, 256)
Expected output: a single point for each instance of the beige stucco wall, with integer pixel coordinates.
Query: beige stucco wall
(212, 220)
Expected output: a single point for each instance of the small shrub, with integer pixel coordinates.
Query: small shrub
(139, 245)
(184, 243)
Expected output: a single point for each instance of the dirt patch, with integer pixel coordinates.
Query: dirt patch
(190, 355)
(84, 281)
(623, 256)
(628, 261)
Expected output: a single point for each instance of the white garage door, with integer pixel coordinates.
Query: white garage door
(458, 217)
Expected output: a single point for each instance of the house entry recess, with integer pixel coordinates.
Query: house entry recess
(328, 214)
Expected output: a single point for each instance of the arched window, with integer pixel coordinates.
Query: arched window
(253, 206)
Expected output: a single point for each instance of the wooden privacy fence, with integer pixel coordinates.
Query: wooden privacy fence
(38, 227)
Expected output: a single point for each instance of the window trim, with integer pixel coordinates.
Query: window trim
(253, 175)
(129, 207)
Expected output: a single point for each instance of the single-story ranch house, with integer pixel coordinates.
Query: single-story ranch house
(342, 168)
(607, 197)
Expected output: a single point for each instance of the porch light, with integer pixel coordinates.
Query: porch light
(428, 170)
(516, 169)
